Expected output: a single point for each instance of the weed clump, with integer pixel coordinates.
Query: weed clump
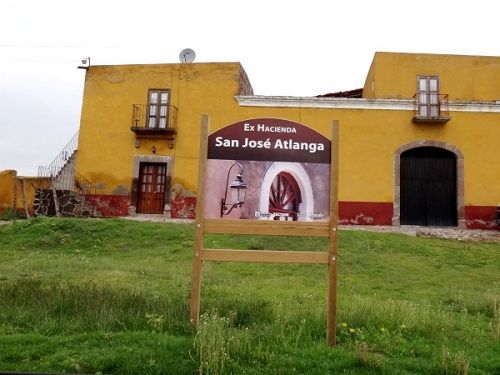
(211, 343)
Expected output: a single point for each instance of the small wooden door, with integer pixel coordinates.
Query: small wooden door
(152, 181)
(284, 197)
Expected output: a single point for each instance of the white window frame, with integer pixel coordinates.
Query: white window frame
(158, 103)
(428, 100)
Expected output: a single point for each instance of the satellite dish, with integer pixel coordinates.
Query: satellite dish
(187, 56)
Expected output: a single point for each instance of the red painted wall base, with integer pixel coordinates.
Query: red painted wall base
(365, 213)
(109, 205)
(183, 208)
(350, 213)
(481, 217)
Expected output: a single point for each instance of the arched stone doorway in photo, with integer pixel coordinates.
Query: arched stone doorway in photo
(284, 197)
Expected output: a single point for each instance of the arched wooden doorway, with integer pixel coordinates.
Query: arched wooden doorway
(284, 197)
(428, 187)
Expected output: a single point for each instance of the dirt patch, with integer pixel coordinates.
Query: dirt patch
(432, 232)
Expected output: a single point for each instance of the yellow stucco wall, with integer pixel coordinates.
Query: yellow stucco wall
(11, 191)
(7, 189)
(393, 75)
(369, 137)
(106, 143)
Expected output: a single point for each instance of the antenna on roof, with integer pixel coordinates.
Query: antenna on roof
(187, 56)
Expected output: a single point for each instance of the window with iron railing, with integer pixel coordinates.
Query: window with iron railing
(158, 109)
(430, 105)
(156, 119)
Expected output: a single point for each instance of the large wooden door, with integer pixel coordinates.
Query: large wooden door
(152, 181)
(284, 197)
(428, 187)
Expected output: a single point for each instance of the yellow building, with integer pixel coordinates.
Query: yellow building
(418, 143)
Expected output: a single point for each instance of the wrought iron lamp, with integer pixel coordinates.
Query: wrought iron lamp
(238, 191)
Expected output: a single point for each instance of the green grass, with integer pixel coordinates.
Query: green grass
(112, 297)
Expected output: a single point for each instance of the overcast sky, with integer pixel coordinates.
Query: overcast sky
(299, 48)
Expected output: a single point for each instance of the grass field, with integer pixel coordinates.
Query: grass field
(112, 297)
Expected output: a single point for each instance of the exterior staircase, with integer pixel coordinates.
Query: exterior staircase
(61, 190)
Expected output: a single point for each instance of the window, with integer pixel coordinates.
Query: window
(428, 96)
(158, 108)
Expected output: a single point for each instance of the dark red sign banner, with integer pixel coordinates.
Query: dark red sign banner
(269, 139)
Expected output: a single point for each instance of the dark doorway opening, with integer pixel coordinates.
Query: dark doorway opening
(428, 187)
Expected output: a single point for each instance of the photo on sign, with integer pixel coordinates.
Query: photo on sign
(268, 169)
(267, 190)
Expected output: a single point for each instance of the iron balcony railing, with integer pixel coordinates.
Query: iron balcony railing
(431, 107)
(154, 120)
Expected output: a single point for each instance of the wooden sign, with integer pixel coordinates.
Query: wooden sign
(275, 164)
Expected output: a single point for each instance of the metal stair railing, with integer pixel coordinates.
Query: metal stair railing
(83, 185)
(64, 156)
(61, 173)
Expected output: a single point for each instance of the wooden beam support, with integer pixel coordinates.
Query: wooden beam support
(54, 195)
(23, 195)
(268, 227)
(265, 256)
(332, 250)
(194, 314)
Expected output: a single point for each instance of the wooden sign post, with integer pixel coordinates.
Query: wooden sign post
(326, 229)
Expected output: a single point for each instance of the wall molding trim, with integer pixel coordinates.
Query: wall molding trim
(359, 103)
